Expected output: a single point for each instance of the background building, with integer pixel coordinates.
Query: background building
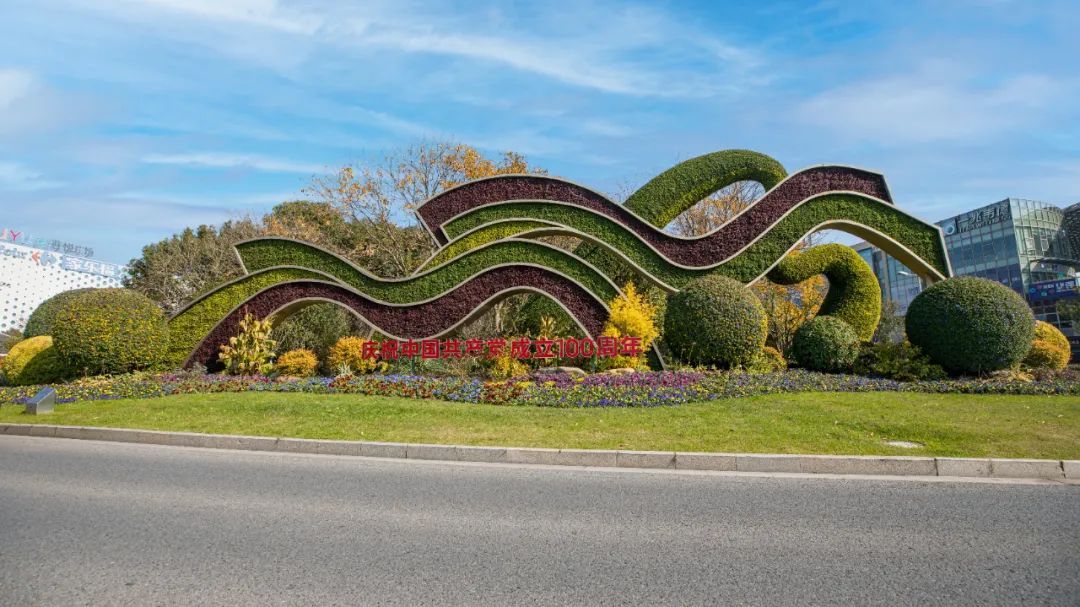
(1031, 247)
(34, 269)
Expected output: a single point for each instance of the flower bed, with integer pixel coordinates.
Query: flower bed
(652, 389)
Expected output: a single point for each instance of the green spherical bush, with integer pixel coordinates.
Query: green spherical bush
(34, 361)
(109, 331)
(42, 318)
(717, 321)
(971, 325)
(826, 343)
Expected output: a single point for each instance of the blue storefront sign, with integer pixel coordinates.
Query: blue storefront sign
(1054, 289)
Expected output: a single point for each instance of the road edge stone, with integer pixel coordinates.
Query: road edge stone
(725, 462)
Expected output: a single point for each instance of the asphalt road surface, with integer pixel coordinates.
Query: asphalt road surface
(86, 523)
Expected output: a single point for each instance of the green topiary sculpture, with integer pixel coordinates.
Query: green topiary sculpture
(826, 343)
(109, 331)
(971, 325)
(42, 318)
(34, 361)
(854, 295)
(717, 321)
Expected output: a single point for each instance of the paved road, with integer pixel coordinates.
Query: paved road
(113, 524)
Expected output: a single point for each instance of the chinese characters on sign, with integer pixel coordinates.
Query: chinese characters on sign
(523, 347)
(56, 246)
(70, 263)
(982, 217)
(1054, 289)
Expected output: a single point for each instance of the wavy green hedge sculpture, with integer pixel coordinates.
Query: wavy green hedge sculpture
(854, 294)
(493, 226)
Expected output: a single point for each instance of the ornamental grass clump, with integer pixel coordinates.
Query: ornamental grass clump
(715, 321)
(971, 325)
(110, 331)
(252, 351)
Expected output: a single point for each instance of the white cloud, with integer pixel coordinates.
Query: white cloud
(262, 13)
(929, 107)
(614, 49)
(17, 177)
(15, 84)
(228, 161)
(605, 128)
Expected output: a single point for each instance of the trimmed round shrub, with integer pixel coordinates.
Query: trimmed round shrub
(1050, 349)
(110, 331)
(349, 352)
(971, 325)
(717, 321)
(34, 361)
(297, 363)
(42, 318)
(826, 343)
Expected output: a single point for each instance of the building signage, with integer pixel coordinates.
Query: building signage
(978, 218)
(56, 246)
(71, 263)
(1053, 289)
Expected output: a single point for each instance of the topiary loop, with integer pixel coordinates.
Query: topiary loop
(854, 295)
(717, 321)
(971, 325)
(110, 331)
(826, 343)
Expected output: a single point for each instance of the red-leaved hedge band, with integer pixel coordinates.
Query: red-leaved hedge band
(700, 252)
(425, 320)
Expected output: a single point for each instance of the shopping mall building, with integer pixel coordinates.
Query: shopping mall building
(1032, 247)
(33, 269)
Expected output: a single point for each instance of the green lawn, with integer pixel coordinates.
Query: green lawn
(840, 423)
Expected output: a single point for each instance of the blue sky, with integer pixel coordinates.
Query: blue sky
(122, 122)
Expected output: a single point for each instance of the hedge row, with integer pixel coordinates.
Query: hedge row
(264, 257)
(266, 253)
(667, 195)
(741, 230)
(479, 238)
(188, 327)
(745, 267)
(854, 294)
(419, 320)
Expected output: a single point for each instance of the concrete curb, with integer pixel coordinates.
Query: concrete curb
(726, 462)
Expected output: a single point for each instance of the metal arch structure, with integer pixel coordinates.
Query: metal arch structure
(487, 235)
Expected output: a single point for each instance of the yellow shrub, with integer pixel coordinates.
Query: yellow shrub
(506, 367)
(349, 351)
(1050, 349)
(631, 315)
(297, 363)
(770, 360)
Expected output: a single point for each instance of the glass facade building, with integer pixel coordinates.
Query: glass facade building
(1029, 246)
